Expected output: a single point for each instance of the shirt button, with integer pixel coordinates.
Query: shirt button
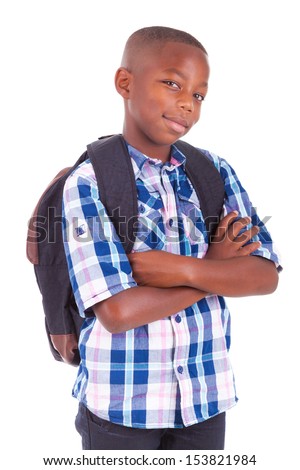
(142, 209)
(171, 222)
(180, 369)
(178, 318)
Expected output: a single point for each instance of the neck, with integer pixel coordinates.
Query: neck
(150, 149)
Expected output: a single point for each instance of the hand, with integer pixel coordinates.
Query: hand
(229, 242)
(156, 268)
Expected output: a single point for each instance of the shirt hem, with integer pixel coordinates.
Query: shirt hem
(161, 425)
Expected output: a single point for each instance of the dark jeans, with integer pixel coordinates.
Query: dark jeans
(98, 434)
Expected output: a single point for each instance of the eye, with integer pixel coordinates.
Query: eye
(171, 84)
(199, 97)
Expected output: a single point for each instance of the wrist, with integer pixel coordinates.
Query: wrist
(191, 271)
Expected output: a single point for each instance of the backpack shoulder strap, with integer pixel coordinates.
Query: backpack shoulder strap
(207, 182)
(116, 182)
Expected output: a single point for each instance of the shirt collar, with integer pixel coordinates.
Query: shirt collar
(139, 159)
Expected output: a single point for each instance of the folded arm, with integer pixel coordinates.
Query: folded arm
(168, 283)
(226, 270)
(142, 305)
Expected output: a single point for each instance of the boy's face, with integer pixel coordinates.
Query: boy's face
(163, 96)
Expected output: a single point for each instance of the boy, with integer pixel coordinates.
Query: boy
(155, 372)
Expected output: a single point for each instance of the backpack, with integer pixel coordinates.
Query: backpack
(116, 181)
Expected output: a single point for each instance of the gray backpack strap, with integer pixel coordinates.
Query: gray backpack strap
(116, 182)
(207, 182)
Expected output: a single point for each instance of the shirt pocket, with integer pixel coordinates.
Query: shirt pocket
(150, 224)
(193, 225)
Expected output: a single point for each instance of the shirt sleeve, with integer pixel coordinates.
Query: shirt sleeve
(236, 198)
(97, 263)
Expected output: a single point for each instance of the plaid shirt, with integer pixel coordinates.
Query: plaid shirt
(173, 372)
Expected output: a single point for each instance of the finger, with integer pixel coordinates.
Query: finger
(224, 224)
(247, 235)
(237, 226)
(250, 248)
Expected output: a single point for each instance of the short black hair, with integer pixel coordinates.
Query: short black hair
(164, 34)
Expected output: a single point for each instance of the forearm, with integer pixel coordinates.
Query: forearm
(233, 277)
(142, 305)
(228, 269)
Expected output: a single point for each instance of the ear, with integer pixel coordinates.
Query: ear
(123, 79)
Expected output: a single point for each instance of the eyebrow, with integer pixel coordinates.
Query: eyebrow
(182, 75)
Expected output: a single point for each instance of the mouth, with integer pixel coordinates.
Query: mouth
(176, 123)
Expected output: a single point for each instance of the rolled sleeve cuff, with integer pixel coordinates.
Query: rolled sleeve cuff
(89, 303)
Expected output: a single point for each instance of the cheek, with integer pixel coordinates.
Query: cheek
(143, 104)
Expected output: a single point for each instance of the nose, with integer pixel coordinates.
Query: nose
(186, 102)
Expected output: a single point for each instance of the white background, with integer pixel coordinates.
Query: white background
(58, 60)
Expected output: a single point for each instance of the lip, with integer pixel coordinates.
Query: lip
(178, 124)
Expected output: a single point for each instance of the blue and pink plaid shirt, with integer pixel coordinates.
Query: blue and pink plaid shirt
(173, 372)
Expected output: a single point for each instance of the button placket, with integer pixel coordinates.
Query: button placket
(171, 229)
(180, 358)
